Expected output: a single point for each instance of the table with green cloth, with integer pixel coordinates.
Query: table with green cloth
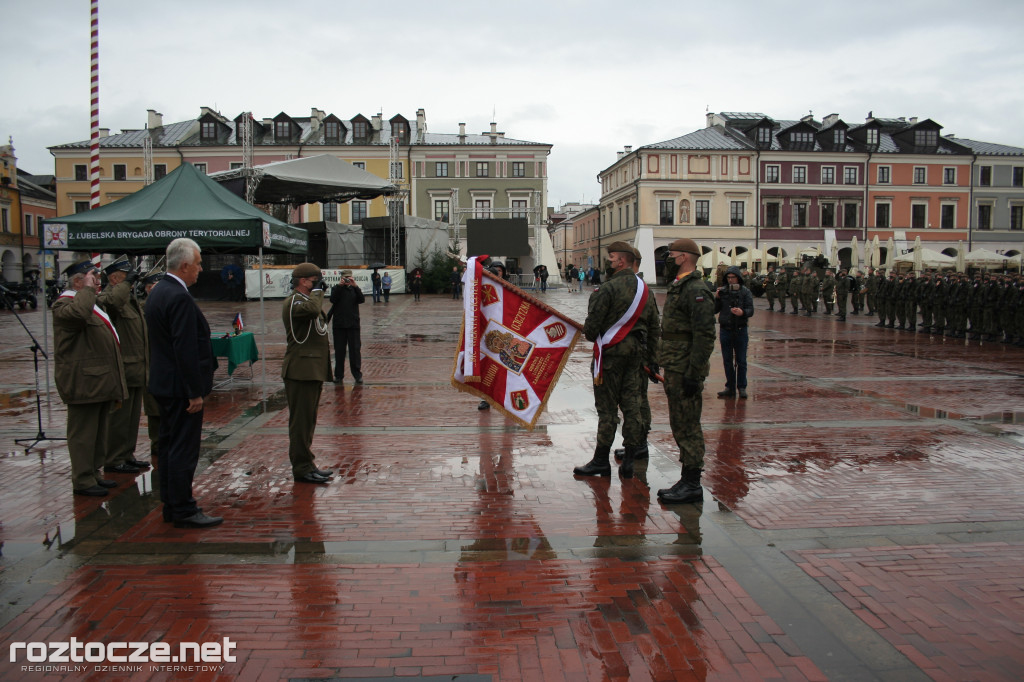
(237, 349)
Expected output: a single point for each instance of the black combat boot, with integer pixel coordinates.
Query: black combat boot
(598, 466)
(687, 489)
(630, 456)
(641, 453)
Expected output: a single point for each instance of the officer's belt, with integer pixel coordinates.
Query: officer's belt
(676, 336)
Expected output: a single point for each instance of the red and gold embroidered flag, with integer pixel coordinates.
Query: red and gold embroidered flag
(512, 348)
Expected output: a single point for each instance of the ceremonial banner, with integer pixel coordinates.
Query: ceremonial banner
(512, 348)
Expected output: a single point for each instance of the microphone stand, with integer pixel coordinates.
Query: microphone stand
(37, 350)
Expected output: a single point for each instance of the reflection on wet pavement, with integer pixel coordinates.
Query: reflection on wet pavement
(454, 543)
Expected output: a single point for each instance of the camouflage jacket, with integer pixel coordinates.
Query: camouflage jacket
(607, 305)
(688, 327)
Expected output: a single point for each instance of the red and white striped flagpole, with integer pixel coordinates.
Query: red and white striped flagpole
(94, 108)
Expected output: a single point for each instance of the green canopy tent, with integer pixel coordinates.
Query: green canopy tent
(184, 203)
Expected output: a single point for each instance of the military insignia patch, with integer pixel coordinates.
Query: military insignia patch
(488, 294)
(700, 298)
(520, 400)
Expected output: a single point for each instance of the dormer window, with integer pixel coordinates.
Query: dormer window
(764, 135)
(839, 137)
(282, 130)
(926, 138)
(872, 135)
(801, 137)
(359, 130)
(332, 131)
(399, 129)
(208, 130)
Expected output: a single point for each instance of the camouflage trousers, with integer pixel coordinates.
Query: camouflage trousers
(684, 417)
(794, 299)
(620, 389)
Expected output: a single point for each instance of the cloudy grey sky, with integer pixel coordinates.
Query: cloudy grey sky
(586, 76)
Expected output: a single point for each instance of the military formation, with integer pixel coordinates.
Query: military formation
(981, 306)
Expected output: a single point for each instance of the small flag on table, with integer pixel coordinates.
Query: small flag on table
(512, 348)
(237, 323)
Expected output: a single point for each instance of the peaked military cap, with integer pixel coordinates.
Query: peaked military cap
(620, 247)
(153, 276)
(79, 268)
(120, 264)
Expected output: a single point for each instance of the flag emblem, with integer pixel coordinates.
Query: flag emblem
(555, 331)
(520, 400)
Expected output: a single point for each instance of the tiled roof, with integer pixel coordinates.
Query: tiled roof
(707, 138)
(989, 148)
(187, 134)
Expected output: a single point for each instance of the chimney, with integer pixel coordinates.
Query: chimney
(628, 148)
(154, 119)
(377, 121)
(268, 124)
(709, 119)
(913, 120)
(619, 155)
(462, 132)
(829, 120)
(809, 118)
(421, 121)
(494, 127)
(104, 132)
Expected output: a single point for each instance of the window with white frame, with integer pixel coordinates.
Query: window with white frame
(984, 216)
(518, 169)
(81, 206)
(483, 169)
(771, 173)
(702, 212)
(871, 135)
(1018, 176)
(850, 175)
(838, 137)
(235, 165)
(882, 214)
(358, 211)
(441, 210)
(828, 214)
(519, 207)
(799, 214)
(985, 176)
(201, 167)
(799, 174)
(332, 131)
(359, 164)
(440, 169)
(764, 135)
(926, 138)
(850, 215)
(949, 176)
(482, 208)
(920, 175)
(947, 217)
(666, 212)
(282, 130)
(828, 175)
(736, 213)
(919, 216)
(884, 175)
(771, 215)
(208, 130)
(331, 211)
(1017, 217)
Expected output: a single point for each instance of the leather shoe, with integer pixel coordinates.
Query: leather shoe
(123, 468)
(91, 491)
(359, 380)
(199, 520)
(312, 477)
(726, 394)
(106, 483)
(743, 393)
(142, 464)
(326, 473)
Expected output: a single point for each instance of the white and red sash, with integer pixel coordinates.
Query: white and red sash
(98, 312)
(621, 328)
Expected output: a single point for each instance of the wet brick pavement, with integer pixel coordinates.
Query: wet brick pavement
(862, 521)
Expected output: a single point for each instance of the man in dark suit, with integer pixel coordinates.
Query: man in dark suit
(180, 377)
(344, 316)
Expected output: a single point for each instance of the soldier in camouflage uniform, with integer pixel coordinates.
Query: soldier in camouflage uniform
(828, 291)
(769, 287)
(908, 319)
(881, 285)
(796, 283)
(687, 340)
(842, 292)
(1007, 308)
(872, 284)
(956, 301)
(975, 293)
(924, 302)
(892, 288)
(617, 383)
(809, 291)
(651, 322)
